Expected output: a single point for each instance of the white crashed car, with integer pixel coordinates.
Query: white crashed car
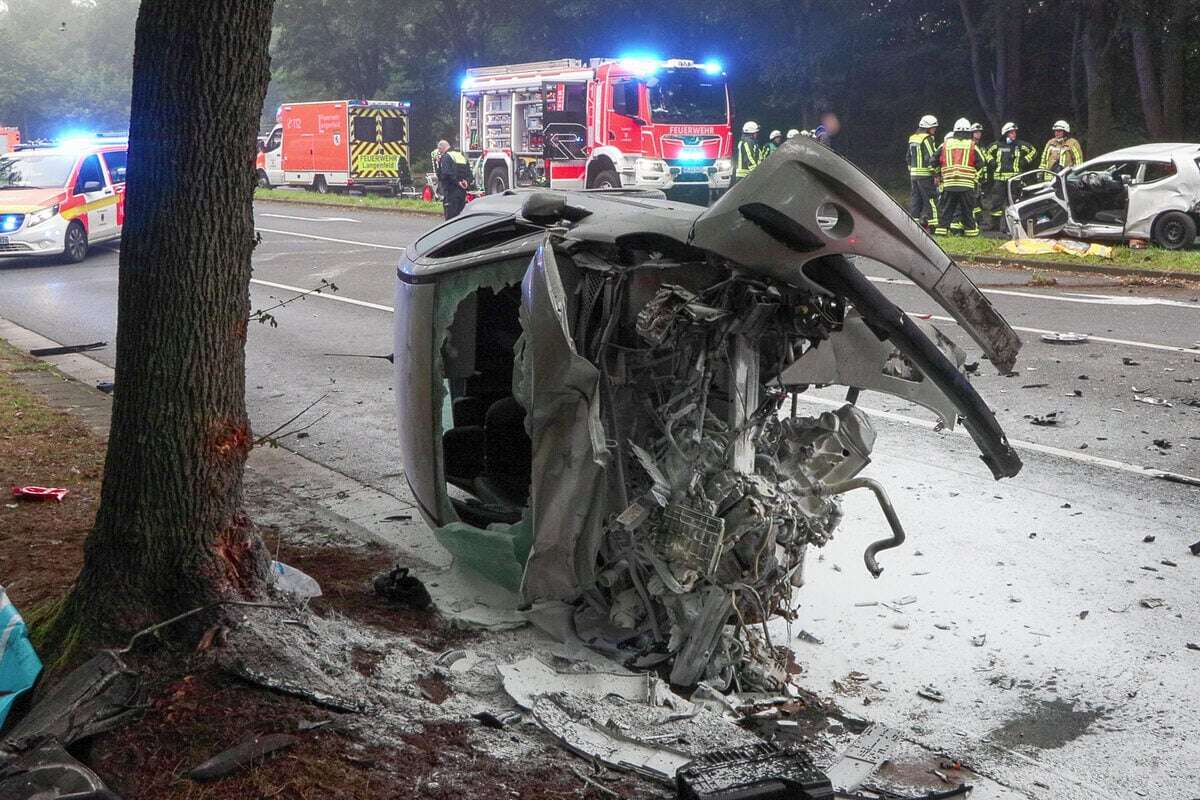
(1150, 192)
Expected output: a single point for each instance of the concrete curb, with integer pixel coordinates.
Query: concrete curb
(410, 211)
(1059, 266)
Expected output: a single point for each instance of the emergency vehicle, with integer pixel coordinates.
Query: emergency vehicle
(337, 145)
(631, 122)
(60, 199)
(9, 139)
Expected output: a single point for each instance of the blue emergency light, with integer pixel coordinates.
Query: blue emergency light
(713, 67)
(10, 222)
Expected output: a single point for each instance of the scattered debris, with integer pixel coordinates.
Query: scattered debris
(980, 640)
(1130, 362)
(67, 349)
(1045, 420)
(240, 755)
(1175, 477)
(1035, 386)
(49, 771)
(1151, 401)
(400, 589)
(528, 679)
(498, 721)
(39, 493)
(1193, 646)
(1152, 602)
(433, 687)
(398, 518)
(1148, 538)
(1195, 548)
(1084, 614)
(805, 636)
(1065, 338)
(865, 754)
(105, 386)
(931, 693)
(1166, 562)
(294, 582)
(762, 770)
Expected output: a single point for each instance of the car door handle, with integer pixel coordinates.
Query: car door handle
(108, 191)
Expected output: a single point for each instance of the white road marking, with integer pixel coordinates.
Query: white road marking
(309, 219)
(1020, 444)
(331, 239)
(1069, 297)
(325, 295)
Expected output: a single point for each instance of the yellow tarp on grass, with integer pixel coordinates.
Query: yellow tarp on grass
(1032, 247)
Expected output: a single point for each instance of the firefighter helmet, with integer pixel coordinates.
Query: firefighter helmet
(793, 133)
(962, 125)
(1062, 125)
(750, 127)
(1008, 126)
(928, 121)
(776, 133)
(978, 126)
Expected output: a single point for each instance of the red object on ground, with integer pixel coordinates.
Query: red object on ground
(427, 194)
(39, 493)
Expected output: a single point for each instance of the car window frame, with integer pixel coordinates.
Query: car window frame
(112, 175)
(77, 184)
(1141, 180)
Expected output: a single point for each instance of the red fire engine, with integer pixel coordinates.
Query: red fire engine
(630, 122)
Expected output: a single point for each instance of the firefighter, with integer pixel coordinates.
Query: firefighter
(1063, 151)
(1007, 158)
(774, 141)
(748, 154)
(454, 178)
(922, 165)
(984, 177)
(793, 133)
(960, 164)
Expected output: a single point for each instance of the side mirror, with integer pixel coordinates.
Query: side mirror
(639, 121)
(92, 186)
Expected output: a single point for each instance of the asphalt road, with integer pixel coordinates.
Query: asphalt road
(1017, 561)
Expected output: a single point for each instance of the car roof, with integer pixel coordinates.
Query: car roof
(75, 152)
(1158, 151)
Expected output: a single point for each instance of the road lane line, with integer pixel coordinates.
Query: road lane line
(1020, 444)
(1069, 297)
(331, 239)
(309, 219)
(326, 296)
(1170, 348)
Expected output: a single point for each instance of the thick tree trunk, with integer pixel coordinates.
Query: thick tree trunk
(1098, 32)
(987, 100)
(1173, 95)
(169, 535)
(1142, 43)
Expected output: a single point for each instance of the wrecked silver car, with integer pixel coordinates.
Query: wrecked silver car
(592, 391)
(1149, 192)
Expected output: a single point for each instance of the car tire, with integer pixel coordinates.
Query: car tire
(606, 179)
(319, 185)
(496, 181)
(263, 181)
(1174, 230)
(75, 243)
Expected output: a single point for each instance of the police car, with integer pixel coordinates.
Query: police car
(59, 199)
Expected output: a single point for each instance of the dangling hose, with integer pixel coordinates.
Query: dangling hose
(897, 537)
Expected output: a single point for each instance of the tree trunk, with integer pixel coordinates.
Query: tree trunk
(987, 101)
(1098, 33)
(169, 535)
(1173, 98)
(1142, 43)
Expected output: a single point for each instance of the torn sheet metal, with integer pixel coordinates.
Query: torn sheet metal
(49, 771)
(855, 356)
(528, 679)
(867, 753)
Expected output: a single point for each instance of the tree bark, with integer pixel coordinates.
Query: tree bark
(1099, 30)
(1173, 53)
(1142, 44)
(986, 102)
(169, 534)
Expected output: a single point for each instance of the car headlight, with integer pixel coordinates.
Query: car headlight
(651, 165)
(41, 215)
(723, 165)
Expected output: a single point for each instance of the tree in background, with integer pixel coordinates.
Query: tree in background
(169, 534)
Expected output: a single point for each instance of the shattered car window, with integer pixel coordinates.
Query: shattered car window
(1158, 170)
(451, 230)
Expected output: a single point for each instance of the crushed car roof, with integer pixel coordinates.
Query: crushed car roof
(1156, 151)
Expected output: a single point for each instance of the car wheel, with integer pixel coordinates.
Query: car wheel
(606, 179)
(1174, 230)
(263, 181)
(319, 185)
(497, 180)
(75, 243)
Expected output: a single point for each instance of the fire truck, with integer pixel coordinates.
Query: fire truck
(9, 139)
(337, 144)
(628, 122)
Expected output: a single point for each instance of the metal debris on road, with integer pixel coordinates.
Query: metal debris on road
(1152, 602)
(1148, 538)
(980, 640)
(759, 771)
(402, 590)
(1045, 420)
(67, 349)
(1065, 338)
(497, 721)
(240, 755)
(866, 754)
(931, 693)
(1194, 548)
(1129, 362)
(1193, 646)
(1151, 401)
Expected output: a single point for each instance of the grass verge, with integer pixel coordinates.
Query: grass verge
(368, 201)
(1182, 262)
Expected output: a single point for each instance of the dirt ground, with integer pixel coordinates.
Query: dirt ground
(196, 710)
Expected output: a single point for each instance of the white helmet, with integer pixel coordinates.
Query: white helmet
(1061, 125)
(793, 133)
(962, 125)
(750, 127)
(1008, 126)
(928, 121)
(775, 133)
(978, 126)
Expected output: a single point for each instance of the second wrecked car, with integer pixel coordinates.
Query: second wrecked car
(592, 395)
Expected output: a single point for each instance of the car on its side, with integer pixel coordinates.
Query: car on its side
(62, 199)
(1149, 192)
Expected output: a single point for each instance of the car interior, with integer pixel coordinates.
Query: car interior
(1100, 195)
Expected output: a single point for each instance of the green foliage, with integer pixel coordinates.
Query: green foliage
(67, 65)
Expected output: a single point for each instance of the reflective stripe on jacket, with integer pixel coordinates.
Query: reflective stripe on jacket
(961, 161)
(921, 155)
(749, 154)
(1061, 154)
(1007, 159)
